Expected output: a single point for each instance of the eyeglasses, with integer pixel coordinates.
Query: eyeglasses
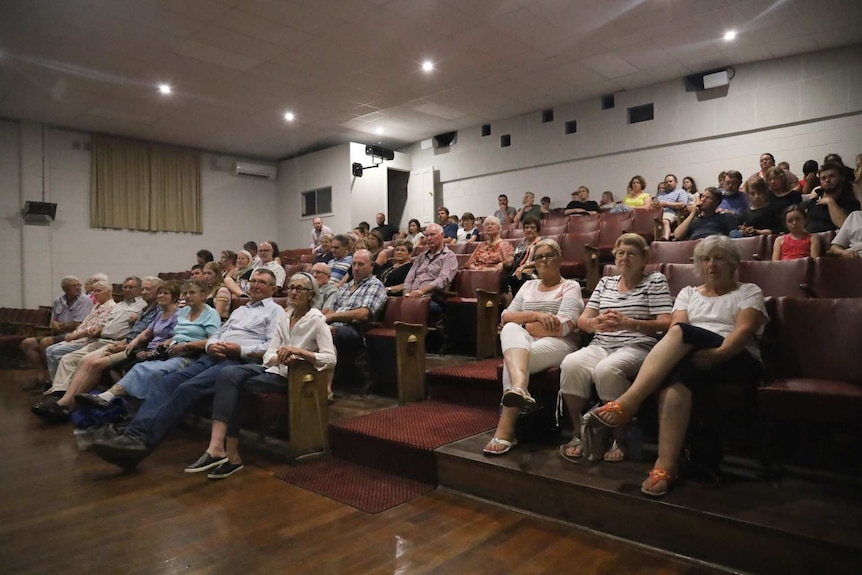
(319, 272)
(544, 258)
(259, 282)
(297, 288)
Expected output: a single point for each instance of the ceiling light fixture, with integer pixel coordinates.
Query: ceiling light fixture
(289, 116)
(729, 35)
(378, 131)
(427, 66)
(165, 89)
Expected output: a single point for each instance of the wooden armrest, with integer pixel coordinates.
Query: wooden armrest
(592, 265)
(410, 354)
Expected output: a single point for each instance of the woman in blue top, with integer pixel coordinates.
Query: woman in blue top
(194, 324)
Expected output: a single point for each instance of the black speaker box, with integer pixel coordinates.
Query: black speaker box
(39, 212)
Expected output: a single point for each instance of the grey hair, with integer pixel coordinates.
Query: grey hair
(104, 284)
(716, 243)
(68, 280)
(135, 279)
(491, 220)
(315, 300)
(98, 277)
(156, 281)
(551, 243)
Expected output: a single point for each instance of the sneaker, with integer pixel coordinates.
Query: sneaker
(205, 462)
(91, 400)
(224, 470)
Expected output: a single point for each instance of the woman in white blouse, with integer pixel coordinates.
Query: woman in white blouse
(711, 341)
(301, 335)
(626, 312)
(537, 333)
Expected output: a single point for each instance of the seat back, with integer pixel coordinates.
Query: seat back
(837, 277)
(610, 228)
(414, 310)
(572, 245)
(549, 230)
(644, 223)
(515, 233)
(680, 276)
(307, 259)
(752, 248)
(813, 339)
(466, 282)
(460, 247)
(462, 259)
(786, 278)
(672, 252)
(392, 311)
(578, 224)
(291, 269)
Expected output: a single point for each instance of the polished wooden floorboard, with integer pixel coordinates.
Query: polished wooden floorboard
(67, 512)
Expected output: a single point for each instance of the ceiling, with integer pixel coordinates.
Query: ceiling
(348, 67)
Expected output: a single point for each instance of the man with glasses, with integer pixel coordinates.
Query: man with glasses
(341, 260)
(267, 261)
(356, 303)
(243, 338)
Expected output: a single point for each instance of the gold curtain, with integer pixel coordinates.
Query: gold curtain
(140, 186)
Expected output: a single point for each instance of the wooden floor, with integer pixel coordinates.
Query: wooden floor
(67, 512)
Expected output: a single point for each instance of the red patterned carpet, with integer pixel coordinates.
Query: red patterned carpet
(367, 489)
(424, 425)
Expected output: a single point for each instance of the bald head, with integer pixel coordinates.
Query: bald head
(264, 251)
(434, 236)
(321, 273)
(361, 264)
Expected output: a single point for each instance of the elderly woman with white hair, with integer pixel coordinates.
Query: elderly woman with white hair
(493, 252)
(301, 335)
(711, 340)
(538, 330)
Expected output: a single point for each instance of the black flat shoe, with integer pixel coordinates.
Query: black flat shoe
(51, 412)
(205, 462)
(91, 400)
(224, 470)
(124, 450)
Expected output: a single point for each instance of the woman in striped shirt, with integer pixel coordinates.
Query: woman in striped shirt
(626, 312)
(537, 334)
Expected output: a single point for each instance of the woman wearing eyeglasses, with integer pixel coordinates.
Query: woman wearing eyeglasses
(301, 335)
(537, 333)
(626, 312)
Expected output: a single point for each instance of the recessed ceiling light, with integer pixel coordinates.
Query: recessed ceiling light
(427, 66)
(729, 35)
(378, 131)
(165, 89)
(289, 117)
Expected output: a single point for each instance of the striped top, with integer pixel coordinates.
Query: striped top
(564, 301)
(651, 297)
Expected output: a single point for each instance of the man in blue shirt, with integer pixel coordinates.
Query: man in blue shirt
(450, 229)
(705, 220)
(671, 200)
(243, 338)
(734, 201)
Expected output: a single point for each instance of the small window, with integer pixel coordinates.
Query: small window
(547, 116)
(571, 127)
(640, 114)
(505, 141)
(316, 202)
(486, 130)
(607, 101)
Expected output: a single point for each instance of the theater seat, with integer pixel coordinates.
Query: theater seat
(786, 278)
(834, 277)
(672, 252)
(472, 312)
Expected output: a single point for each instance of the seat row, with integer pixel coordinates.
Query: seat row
(17, 324)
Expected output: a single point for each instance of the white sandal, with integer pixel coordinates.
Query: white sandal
(507, 446)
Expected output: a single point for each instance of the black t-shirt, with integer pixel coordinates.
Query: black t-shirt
(818, 214)
(702, 226)
(784, 202)
(765, 218)
(387, 231)
(589, 206)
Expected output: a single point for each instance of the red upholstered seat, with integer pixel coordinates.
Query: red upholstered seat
(672, 252)
(680, 276)
(579, 224)
(786, 278)
(752, 248)
(574, 252)
(645, 223)
(834, 277)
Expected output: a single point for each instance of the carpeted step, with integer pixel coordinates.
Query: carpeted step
(474, 384)
(401, 440)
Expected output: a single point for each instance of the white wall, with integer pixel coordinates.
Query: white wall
(353, 199)
(798, 108)
(234, 211)
(10, 215)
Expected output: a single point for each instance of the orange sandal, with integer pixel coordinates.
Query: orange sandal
(594, 417)
(654, 477)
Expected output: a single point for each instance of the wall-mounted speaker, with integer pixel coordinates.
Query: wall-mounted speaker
(706, 80)
(39, 212)
(445, 140)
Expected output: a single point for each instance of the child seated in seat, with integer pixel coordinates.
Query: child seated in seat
(796, 243)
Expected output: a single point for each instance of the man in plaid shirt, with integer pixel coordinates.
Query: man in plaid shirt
(356, 303)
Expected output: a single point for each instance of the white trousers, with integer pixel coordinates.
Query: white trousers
(611, 371)
(545, 352)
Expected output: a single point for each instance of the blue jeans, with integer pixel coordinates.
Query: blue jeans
(137, 382)
(172, 396)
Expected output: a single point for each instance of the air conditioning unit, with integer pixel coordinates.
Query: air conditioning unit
(253, 170)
